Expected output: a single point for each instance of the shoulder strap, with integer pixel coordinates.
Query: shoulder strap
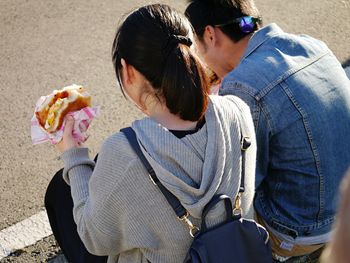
(172, 200)
(245, 143)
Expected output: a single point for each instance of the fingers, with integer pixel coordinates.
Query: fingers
(83, 126)
(67, 141)
(68, 128)
(70, 139)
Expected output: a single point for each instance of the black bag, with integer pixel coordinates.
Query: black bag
(235, 240)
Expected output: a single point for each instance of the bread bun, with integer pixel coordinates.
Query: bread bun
(55, 107)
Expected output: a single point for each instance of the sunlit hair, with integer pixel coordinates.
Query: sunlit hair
(156, 40)
(202, 13)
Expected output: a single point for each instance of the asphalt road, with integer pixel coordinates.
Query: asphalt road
(45, 45)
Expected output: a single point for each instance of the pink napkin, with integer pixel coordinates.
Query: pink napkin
(82, 119)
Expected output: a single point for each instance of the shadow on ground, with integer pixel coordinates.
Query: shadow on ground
(346, 63)
(45, 250)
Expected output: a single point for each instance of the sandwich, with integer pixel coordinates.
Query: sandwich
(51, 113)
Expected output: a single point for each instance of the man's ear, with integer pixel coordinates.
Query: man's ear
(209, 36)
(128, 74)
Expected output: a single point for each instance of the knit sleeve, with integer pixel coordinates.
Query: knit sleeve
(76, 157)
(96, 210)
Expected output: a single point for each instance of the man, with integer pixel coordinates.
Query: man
(299, 97)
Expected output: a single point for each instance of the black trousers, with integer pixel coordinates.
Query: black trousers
(59, 207)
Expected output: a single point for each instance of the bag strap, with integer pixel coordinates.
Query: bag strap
(245, 144)
(172, 200)
(179, 210)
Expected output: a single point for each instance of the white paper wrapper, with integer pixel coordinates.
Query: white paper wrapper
(82, 119)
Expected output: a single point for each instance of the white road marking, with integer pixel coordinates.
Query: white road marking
(24, 233)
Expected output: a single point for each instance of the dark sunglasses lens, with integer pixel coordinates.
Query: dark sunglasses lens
(247, 24)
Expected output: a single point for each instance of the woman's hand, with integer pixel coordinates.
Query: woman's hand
(68, 142)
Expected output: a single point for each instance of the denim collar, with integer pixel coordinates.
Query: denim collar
(260, 36)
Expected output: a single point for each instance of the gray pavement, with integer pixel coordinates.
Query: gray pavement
(50, 44)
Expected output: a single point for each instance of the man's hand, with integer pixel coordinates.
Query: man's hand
(68, 142)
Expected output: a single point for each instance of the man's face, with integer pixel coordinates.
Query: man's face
(210, 55)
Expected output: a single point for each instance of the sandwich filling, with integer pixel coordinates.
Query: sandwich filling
(56, 106)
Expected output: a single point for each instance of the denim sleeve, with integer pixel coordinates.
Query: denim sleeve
(261, 124)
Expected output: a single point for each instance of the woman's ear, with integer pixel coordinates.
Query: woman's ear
(127, 73)
(131, 79)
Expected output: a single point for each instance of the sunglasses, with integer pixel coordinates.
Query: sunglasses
(246, 23)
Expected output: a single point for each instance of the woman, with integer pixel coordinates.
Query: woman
(191, 139)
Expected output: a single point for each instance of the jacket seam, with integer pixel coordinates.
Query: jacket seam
(313, 147)
(258, 44)
(272, 220)
(259, 108)
(286, 75)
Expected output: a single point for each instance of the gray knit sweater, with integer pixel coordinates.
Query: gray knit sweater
(118, 210)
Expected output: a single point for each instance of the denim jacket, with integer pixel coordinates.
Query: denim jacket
(299, 97)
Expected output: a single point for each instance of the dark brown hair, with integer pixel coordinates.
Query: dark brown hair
(155, 39)
(202, 13)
